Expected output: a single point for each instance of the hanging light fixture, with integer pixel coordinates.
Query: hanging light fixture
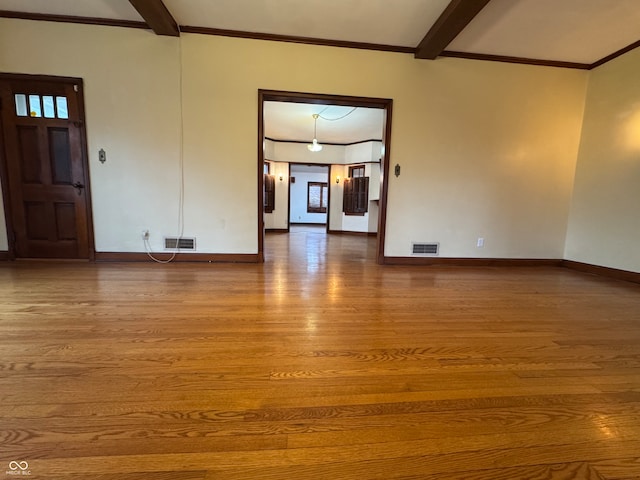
(315, 146)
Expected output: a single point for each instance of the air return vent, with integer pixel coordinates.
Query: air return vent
(182, 243)
(428, 249)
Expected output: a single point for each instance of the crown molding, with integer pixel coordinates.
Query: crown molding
(518, 60)
(316, 41)
(304, 142)
(293, 39)
(45, 17)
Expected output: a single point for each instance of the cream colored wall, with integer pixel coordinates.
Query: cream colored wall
(279, 218)
(131, 81)
(486, 149)
(336, 216)
(604, 225)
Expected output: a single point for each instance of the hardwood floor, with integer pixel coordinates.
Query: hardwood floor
(318, 364)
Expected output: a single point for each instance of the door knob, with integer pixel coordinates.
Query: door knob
(78, 186)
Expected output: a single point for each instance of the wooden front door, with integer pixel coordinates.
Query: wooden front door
(45, 177)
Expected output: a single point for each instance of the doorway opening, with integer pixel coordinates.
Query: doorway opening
(309, 195)
(345, 193)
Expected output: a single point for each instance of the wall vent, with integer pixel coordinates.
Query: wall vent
(427, 249)
(182, 243)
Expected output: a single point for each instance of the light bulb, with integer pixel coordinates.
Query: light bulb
(315, 146)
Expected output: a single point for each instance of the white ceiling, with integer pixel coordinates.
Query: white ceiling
(577, 31)
(582, 31)
(114, 9)
(388, 22)
(294, 121)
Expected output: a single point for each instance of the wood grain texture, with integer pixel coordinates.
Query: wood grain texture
(157, 16)
(456, 16)
(318, 363)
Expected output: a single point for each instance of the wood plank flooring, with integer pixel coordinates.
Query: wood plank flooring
(318, 364)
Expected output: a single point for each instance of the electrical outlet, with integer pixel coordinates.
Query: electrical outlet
(480, 243)
(145, 234)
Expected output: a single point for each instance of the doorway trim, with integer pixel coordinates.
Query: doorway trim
(4, 174)
(385, 104)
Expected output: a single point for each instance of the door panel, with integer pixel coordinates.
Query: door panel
(46, 169)
(60, 155)
(28, 153)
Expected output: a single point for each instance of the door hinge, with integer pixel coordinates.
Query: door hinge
(75, 88)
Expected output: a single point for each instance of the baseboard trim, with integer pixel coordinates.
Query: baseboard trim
(276, 230)
(602, 271)
(4, 256)
(473, 262)
(348, 232)
(180, 257)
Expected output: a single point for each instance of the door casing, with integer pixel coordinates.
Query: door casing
(323, 99)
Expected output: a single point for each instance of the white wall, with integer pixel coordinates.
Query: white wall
(269, 149)
(361, 153)
(487, 149)
(604, 226)
(299, 153)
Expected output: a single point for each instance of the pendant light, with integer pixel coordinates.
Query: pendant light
(314, 146)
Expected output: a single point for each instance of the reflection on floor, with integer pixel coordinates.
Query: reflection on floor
(311, 247)
(318, 364)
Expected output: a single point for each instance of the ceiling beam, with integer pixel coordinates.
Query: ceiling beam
(159, 19)
(453, 20)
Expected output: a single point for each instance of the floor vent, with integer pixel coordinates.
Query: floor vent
(425, 248)
(182, 243)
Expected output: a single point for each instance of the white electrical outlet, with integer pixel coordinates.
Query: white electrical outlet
(145, 234)
(480, 243)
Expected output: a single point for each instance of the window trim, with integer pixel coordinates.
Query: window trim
(323, 186)
(355, 200)
(354, 168)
